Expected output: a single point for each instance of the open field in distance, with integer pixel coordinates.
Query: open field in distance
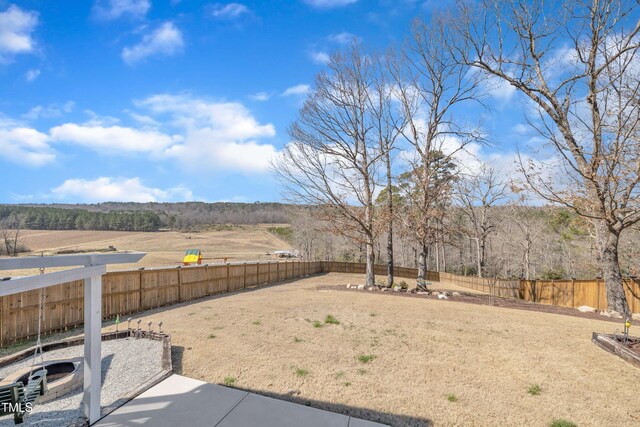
(239, 243)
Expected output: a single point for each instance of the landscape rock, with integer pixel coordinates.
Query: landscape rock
(384, 289)
(348, 285)
(456, 294)
(422, 293)
(360, 287)
(396, 289)
(612, 314)
(442, 296)
(586, 309)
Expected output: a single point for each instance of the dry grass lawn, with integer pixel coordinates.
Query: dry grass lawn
(163, 248)
(433, 362)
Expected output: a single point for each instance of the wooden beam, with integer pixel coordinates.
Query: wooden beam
(30, 283)
(70, 260)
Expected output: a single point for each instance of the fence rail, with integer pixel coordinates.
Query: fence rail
(127, 292)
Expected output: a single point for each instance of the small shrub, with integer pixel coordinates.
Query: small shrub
(339, 375)
(562, 423)
(296, 339)
(301, 372)
(317, 324)
(211, 336)
(257, 322)
(403, 285)
(229, 381)
(331, 320)
(534, 390)
(452, 398)
(362, 371)
(366, 358)
(347, 384)
(372, 314)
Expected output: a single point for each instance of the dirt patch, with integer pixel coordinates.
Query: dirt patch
(484, 299)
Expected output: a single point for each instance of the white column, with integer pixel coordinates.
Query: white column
(92, 350)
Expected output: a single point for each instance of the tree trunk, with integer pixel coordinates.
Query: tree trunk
(608, 240)
(478, 257)
(422, 262)
(371, 259)
(390, 255)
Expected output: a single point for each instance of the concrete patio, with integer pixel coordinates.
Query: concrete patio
(180, 400)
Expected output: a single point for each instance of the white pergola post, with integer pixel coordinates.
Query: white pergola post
(92, 347)
(91, 273)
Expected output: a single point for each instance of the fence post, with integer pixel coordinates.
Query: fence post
(597, 294)
(573, 292)
(244, 276)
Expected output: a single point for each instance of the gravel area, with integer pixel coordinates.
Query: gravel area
(126, 364)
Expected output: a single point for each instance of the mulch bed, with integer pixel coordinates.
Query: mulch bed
(483, 299)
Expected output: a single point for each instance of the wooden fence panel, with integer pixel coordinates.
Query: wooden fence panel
(120, 293)
(218, 280)
(236, 277)
(158, 288)
(194, 283)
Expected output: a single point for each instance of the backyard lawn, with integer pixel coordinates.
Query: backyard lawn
(404, 361)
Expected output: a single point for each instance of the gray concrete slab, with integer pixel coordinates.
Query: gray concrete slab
(357, 422)
(256, 410)
(182, 401)
(176, 401)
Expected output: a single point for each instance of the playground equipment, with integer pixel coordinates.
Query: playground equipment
(194, 257)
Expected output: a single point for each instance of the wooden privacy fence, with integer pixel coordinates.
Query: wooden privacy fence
(126, 292)
(564, 293)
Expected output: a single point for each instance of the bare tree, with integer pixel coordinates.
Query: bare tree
(388, 122)
(431, 83)
(531, 224)
(478, 194)
(10, 231)
(334, 158)
(586, 98)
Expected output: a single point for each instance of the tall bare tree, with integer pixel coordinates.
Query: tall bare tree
(478, 194)
(388, 122)
(577, 62)
(333, 160)
(431, 83)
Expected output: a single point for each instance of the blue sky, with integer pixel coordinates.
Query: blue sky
(170, 100)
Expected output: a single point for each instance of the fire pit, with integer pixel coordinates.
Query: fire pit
(63, 376)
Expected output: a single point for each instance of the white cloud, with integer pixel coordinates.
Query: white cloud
(114, 9)
(16, 28)
(24, 146)
(320, 57)
(297, 90)
(216, 134)
(49, 111)
(165, 40)
(31, 75)
(108, 189)
(229, 11)
(114, 139)
(343, 38)
(327, 4)
(261, 96)
(499, 89)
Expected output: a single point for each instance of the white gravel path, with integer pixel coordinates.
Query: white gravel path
(126, 364)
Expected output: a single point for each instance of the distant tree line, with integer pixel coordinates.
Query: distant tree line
(50, 218)
(117, 216)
